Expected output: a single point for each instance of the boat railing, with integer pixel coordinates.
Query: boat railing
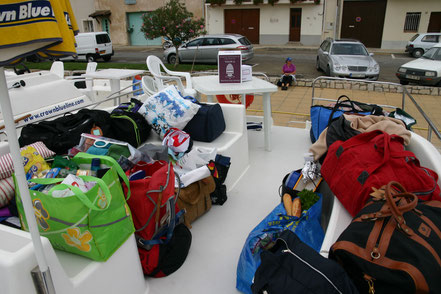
(317, 83)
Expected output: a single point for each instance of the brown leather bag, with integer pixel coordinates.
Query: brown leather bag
(195, 199)
(394, 244)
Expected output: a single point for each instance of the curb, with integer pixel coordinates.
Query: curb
(263, 47)
(361, 86)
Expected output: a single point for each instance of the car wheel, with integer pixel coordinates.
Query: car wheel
(317, 65)
(417, 53)
(107, 58)
(172, 59)
(404, 82)
(90, 58)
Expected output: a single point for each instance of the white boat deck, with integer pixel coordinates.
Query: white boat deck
(218, 236)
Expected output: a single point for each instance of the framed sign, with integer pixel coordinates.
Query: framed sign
(229, 66)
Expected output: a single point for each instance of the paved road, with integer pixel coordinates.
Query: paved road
(270, 61)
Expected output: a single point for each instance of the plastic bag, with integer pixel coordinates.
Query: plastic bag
(307, 228)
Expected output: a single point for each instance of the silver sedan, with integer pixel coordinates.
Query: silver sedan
(204, 49)
(348, 59)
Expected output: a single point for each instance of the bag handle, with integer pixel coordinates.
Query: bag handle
(397, 210)
(390, 208)
(339, 104)
(83, 157)
(77, 191)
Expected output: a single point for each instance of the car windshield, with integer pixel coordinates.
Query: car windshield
(348, 49)
(433, 53)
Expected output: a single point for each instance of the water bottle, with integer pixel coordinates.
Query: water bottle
(135, 86)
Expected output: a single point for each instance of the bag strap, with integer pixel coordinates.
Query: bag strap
(394, 193)
(83, 157)
(77, 191)
(167, 230)
(339, 104)
(397, 211)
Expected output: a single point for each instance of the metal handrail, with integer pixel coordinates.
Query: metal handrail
(405, 93)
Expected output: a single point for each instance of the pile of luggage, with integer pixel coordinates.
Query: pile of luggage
(393, 244)
(94, 181)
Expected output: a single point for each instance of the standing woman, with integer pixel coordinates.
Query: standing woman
(289, 70)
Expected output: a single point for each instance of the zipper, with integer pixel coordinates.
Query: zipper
(421, 193)
(135, 127)
(287, 250)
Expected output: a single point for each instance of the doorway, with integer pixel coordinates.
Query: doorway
(137, 37)
(244, 22)
(434, 23)
(364, 21)
(295, 23)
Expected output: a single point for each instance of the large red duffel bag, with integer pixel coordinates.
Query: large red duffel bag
(370, 160)
(163, 243)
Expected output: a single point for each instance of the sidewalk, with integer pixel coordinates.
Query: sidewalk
(260, 47)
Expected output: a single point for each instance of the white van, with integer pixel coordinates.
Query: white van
(94, 45)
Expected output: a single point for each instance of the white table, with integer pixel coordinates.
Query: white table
(114, 76)
(210, 86)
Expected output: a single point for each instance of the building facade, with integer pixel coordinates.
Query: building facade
(264, 23)
(386, 24)
(122, 19)
(82, 9)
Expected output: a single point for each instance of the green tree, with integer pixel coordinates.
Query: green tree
(174, 22)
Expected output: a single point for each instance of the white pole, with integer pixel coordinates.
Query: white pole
(14, 148)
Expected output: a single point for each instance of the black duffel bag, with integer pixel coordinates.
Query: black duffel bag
(207, 124)
(291, 266)
(63, 133)
(393, 245)
(128, 124)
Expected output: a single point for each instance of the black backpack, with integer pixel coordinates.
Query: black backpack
(128, 124)
(63, 133)
(291, 266)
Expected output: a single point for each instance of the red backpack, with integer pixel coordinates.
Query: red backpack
(353, 167)
(163, 245)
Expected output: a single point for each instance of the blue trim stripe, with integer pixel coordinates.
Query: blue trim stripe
(54, 41)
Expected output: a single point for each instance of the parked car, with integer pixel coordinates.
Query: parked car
(420, 43)
(93, 46)
(204, 49)
(425, 70)
(346, 58)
